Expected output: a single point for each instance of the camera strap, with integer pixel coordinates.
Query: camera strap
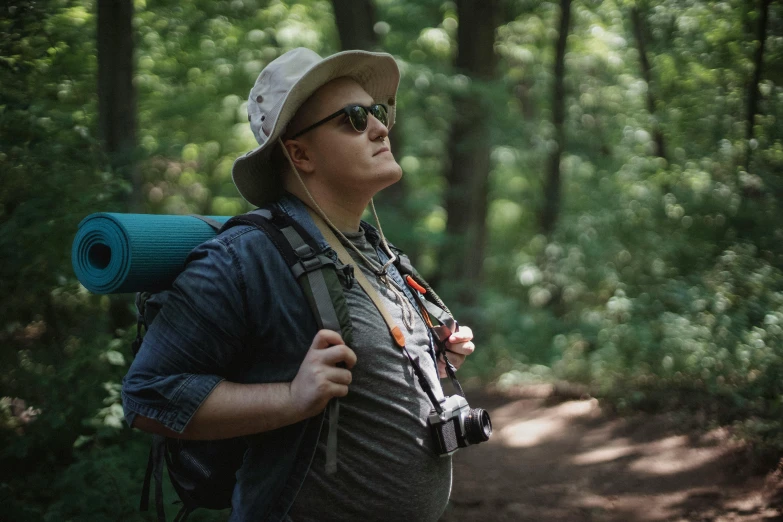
(395, 331)
(439, 332)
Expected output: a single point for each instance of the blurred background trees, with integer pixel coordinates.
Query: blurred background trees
(596, 186)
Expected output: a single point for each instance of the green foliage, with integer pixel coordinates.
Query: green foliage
(196, 63)
(57, 338)
(660, 288)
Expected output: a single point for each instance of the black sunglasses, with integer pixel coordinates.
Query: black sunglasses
(357, 115)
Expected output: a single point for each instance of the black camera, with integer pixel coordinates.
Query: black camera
(458, 425)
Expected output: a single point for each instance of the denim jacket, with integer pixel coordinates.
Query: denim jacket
(236, 313)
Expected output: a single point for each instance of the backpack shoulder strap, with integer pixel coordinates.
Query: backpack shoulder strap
(216, 225)
(154, 471)
(316, 273)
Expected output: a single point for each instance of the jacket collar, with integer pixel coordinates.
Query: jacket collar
(297, 210)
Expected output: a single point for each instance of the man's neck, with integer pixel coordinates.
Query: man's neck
(345, 213)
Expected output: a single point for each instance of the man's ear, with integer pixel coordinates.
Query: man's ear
(300, 156)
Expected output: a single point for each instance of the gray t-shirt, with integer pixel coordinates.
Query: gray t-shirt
(386, 468)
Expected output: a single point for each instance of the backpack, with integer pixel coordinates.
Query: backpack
(203, 473)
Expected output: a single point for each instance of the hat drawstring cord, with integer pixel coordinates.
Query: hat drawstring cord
(391, 255)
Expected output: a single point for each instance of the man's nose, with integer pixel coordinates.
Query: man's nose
(376, 129)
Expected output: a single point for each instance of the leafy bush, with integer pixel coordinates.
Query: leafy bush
(660, 288)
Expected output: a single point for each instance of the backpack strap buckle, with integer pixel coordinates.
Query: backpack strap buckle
(304, 251)
(310, 264)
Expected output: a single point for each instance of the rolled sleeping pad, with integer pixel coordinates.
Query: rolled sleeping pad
(117, 253)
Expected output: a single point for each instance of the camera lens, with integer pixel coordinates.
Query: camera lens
(478, 427)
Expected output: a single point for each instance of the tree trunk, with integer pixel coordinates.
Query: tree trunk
(355, 24)
(116, 94)
(758, 66)
(523, 93)
(355, 20)
(552, 196)
(469, 152)
(638, 30)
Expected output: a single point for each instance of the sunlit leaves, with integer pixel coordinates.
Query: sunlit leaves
(664, 274)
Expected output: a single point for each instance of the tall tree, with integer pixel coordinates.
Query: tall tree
(467, 176)
(641, 43)
(758, 67)
(552, 189)
(117, 109)
(355, 20)
(116, 94)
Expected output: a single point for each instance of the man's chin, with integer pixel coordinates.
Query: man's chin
(393, 175)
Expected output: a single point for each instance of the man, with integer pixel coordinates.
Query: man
(235, 349)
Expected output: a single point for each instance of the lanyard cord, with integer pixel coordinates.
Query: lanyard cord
(381, 272)
(346, 259)
(439, 337)
(397, 335)
(328, 230)
(425, 384)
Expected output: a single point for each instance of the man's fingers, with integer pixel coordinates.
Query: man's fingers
(334, 351)
(327, 389)
(339, 390)
(461, 348)
(455, 359)
(337, 354)
(460, 336)
(339, 376)
(326, 338)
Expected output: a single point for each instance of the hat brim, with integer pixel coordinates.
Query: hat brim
(378, 75)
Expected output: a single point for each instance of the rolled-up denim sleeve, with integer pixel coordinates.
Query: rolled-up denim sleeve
(195, 337)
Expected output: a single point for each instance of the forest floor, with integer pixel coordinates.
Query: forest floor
(555, 459)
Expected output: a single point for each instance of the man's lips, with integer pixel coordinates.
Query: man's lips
(384, 149)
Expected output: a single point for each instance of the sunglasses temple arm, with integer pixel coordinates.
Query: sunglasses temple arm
(316, 124)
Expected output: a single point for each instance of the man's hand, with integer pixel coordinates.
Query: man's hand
(459, 346)
(319, 378)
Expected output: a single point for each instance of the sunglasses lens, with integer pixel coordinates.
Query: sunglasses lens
(380, 112)
(358, 117)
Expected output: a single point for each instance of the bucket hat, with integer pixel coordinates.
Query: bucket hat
(283, 86)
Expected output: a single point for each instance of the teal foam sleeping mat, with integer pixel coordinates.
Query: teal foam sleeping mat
(118, 253)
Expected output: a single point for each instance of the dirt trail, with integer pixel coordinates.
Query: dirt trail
(571, 462)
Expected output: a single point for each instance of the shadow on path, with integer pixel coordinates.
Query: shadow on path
(571, 462)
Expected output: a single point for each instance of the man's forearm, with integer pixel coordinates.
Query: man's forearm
(234, 410)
